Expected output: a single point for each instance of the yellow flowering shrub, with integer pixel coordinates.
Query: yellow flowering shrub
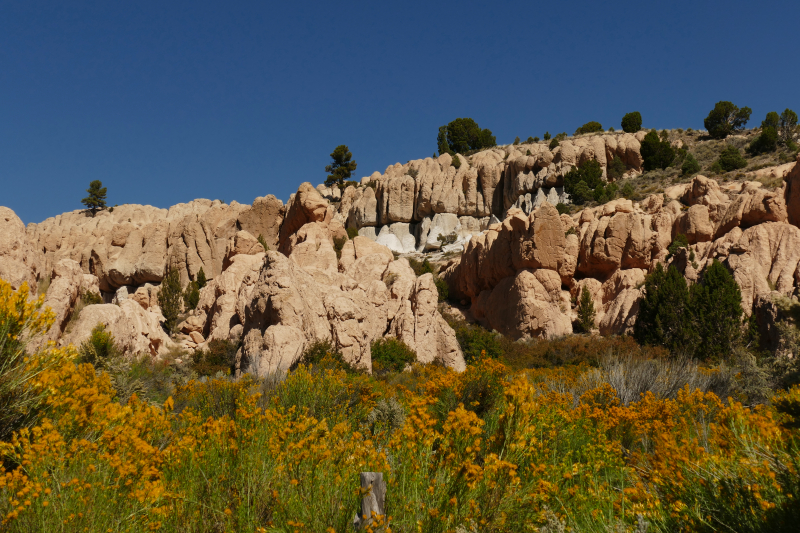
(489, 449)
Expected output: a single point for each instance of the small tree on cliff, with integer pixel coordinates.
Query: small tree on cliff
(170, 297)
(341, 167)
(96, 200)
(586, 312)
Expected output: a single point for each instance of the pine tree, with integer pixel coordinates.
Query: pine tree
(717, 307)
(586, 312)
(665, 316)
(201, 279)
(96, 200)
(341, 167)
(169, 299)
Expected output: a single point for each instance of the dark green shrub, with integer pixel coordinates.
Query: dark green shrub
(219, 356)
(680, 241)
(420, 267)
(585, 182)
(717, 308)
(553, 144)
(441, 288)
(341, 166)
(450, 238)
(547, 136)
(531, 140)
(616, 169)
(323, 354)
(627, 190)
(91, 298)
(726, 119)
(352, 233)
(391, 355)
(585, 311)
(201, 277)
(656, 152)
(338, 244)
(731, 159)
(99, 348)
(170, 298)
(589, 127)
(690, 165)
(772, 120)
(664, 317)
(191, 296)
(632, 122)
(766, 142)
(787, 125)
(536, 139)
(456, 161)
(475, 341)
(562, 208)
(463, 135)
(516, 141)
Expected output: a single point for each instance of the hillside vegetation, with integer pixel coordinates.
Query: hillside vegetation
(621, 438)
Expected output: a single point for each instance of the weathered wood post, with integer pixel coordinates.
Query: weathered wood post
(373, 501)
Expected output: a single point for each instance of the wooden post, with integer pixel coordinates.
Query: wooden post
(373, 500)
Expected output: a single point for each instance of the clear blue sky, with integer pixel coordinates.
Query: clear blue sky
(169, 101)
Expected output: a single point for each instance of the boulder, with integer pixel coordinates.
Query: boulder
(264, 218)
(18, 262)
(305, 206)
(397, 237)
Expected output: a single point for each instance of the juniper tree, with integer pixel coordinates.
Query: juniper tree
(169, 299)
(341, 167)
(665, 316)
(586, 312)
(716, 304)
(632, 122)
(726, 119)
(96, 200)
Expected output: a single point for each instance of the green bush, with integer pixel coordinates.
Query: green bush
(420, 267)
(766, 142)
(616, 169)
(531, 140)
(787, 125)
(99, 348)
(731, 159)
(547, 136)
(717, 308)
(726, 119)
(464, 135)
(441, 288)
(456, 162)
(475, 341)
(516, 141)
(191, 296)
(91, 298)
(562, 208)
(585, 311)
(664, 317)
(585, 182)
(632, 122)
(170, 298)
(352, 233)
(391, 355)
(338, 245)
(680, 241)
(656, 153)
(627, 190)
(553, 144)
(201, 277)
(323, 354)
(589, 127)
(219, 356)
(772, 120)
(705, 320)
(690, 165)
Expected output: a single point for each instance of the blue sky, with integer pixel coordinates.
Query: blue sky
(169, 101)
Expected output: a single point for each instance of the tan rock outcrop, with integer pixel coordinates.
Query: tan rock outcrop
(135, 330)
(792, 193)
(307, 205)
(263, 218)
(18, 262)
